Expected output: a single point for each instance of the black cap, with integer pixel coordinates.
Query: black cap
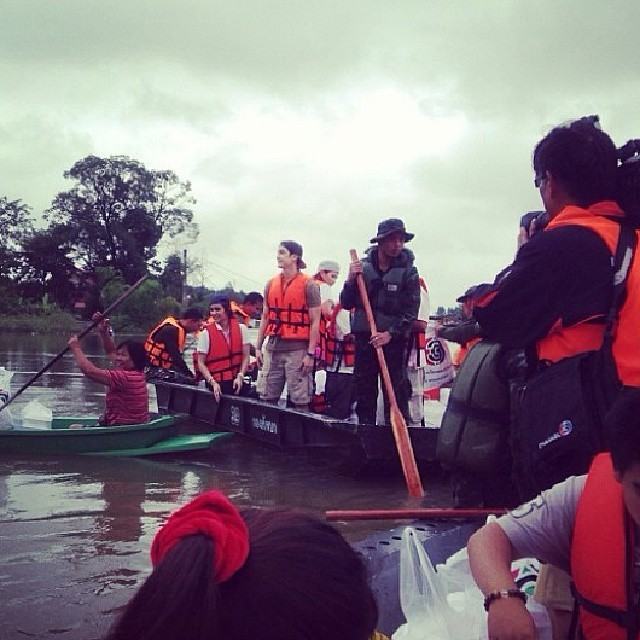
(296, 249)
(391, 225)
(476, 291)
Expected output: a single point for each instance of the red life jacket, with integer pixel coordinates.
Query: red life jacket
(338, 353)
(563, 342)
(224, 359)
(288, 315)
(322, 329)
(156, 352)
(602, 556)
(318, 403)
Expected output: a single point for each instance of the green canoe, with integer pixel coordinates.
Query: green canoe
(83, 436)
(176, 444)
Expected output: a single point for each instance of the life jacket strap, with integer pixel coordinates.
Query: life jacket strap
(625, 619)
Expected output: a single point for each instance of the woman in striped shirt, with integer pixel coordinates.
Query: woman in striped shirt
(127, 401)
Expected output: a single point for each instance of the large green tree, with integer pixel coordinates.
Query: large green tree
(118, 210)
(16, 226)
(47, 267)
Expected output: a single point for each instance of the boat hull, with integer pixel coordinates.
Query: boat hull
(286, 428)
(61, 440)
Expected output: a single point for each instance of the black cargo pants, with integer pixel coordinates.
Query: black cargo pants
(367, 373)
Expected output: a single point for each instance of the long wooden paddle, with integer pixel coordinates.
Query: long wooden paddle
(81, 335)
(436, 513)
(398, 424)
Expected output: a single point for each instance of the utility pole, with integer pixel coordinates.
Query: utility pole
(184, 276)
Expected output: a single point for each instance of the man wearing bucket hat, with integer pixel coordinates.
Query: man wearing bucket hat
(393, 286)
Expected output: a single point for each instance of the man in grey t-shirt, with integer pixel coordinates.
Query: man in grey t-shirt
(578, 525)
(291, 320)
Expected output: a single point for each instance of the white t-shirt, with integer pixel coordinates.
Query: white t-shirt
(203, 338)
(326, 292)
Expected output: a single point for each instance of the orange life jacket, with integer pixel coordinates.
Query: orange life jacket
(156, 351)
(338, 353)
(602, 555)
(458, 359)
(288, 316)
(241, 315)
(563, 342)
(224, 359)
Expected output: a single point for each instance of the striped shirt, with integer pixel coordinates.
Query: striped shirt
(127, 401)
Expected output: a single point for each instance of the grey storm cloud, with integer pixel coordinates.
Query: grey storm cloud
(274, 111)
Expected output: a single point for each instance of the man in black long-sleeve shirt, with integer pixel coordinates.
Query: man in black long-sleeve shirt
(165, 343)
(394, 291)
(559, 288)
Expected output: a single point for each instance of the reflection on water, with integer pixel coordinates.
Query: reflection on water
(75, 532)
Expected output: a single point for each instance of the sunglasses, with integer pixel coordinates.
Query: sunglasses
(537, 181)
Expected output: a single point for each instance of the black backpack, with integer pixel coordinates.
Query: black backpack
(561, 408)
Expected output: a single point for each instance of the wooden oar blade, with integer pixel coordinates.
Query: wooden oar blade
(405, 449)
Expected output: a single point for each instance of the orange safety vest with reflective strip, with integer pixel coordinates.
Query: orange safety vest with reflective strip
(341, 352)
(563, 342)
(288, 315)
(156, 351)
(224, 359)
(602, 550)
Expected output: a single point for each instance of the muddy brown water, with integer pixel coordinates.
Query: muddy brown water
(75, 532)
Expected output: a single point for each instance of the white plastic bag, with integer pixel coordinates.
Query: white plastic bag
(36, 416)
(445, 603)
(422, 597)
(439, 368)
(320, 381)
(467, 600)
(6, 419)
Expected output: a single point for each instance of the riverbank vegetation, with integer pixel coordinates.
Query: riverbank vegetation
(100, 236)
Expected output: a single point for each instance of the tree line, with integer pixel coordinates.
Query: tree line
(100, 235)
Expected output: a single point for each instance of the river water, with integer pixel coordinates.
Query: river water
(75, 532)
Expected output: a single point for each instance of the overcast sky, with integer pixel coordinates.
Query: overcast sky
(314, 120)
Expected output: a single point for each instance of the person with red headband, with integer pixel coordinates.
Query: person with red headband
(262, 574)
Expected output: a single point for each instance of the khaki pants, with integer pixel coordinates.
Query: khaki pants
(553, 590)
(286, 366)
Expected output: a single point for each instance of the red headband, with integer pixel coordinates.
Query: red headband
(213, 515)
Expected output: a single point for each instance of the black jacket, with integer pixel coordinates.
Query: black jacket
(563, 274)
(394, 294)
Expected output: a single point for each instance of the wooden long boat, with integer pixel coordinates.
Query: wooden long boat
(287, 428)
(83, 436)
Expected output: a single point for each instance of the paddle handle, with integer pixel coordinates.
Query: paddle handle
(437, 513)
(81, 335)
(398, 424)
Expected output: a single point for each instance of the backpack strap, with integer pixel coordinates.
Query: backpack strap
(621, 266)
